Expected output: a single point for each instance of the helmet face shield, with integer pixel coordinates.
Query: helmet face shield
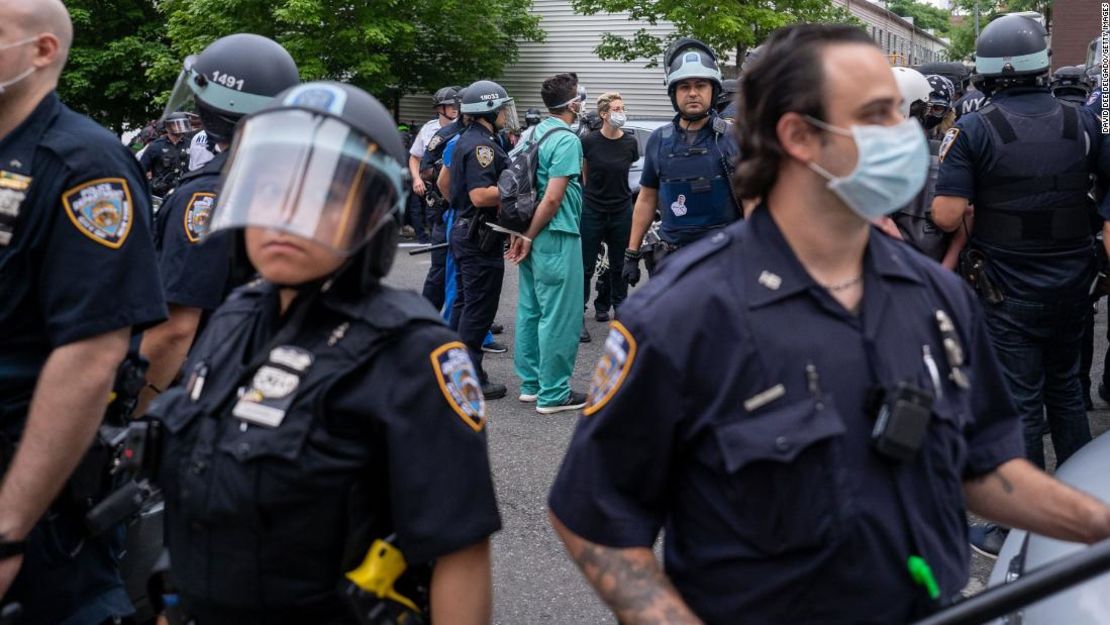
(181, 97)
(309, 175)
(512, 120)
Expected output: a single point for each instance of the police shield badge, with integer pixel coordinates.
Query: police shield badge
(434, 143)
(459, 382)
(198, 214)
(102, 210)
(612, 369)
(947, 143)
(484, 154)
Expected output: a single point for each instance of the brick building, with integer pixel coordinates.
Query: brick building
(1075, 23)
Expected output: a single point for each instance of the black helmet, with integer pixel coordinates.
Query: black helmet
(532, 117)
(234, 76)
(178, 123)
(689, 58)
(484, 98)
(728, 92)
(447, 96)
(323, 161)
(1011, 50)
(1070, 83)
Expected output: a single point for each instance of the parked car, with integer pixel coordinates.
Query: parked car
(1085, 604)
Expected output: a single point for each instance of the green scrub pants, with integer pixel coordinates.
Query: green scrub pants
(549, 316)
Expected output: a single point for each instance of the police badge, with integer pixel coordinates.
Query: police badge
(198, 214)
(460, 384)
(484, 154)
(101, 209)
(434, 143)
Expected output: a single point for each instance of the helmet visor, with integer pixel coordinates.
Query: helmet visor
(309, 175)
(512, 120)
(181, 98)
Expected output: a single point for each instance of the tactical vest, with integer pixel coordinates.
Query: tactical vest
(915, 221)
(265, 516)
(1035, 194)
(695, 193)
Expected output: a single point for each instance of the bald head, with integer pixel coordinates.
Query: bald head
(28, 18)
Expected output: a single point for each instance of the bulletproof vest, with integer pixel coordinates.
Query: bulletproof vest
(1035, 194)
(271, 496)
(915, 221)
(433, 153)
(695, 193)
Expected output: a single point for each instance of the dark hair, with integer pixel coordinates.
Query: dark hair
(557, 90)
(787, 77)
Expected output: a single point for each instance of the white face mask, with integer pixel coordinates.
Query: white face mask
(617, 119)
(30, 70)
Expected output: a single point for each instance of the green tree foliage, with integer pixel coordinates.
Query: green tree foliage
(924, 15)
(730, 28)
(115, 43)
(388, 47)
(963, 36)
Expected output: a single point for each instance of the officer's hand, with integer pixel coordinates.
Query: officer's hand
(631, 270)
(418, 186)
(9, 568)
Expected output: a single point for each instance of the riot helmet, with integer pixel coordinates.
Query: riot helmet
(324, 162)
(941, 99)
(532, 117)
(447, 96)
(729, 88)
(484, 98)
(1011, 51)
(689, 58)
(234, 76)
(178, 124)
(915, 91)
(1070, 83)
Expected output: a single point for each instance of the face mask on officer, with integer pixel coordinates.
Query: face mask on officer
(891, 167)
(5, 84)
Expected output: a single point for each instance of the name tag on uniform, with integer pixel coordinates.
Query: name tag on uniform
(13, 190)
(273, 388)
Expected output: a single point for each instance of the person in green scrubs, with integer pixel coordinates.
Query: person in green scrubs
(549, 255)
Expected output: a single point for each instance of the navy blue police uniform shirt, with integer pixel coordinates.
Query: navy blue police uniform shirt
(194, 266)
(756, 458)
(970, 155)
(477, 162)
(76, 253)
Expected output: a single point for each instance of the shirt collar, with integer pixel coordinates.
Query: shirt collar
(772, 271)
(18, 148)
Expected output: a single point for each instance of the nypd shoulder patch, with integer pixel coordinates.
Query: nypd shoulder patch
(458, 379)
(612, 368)
(947, 143)
(434, 142)
(102, 210)
(484, 154)
(198, 216)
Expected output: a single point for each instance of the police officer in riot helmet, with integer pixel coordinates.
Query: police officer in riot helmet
(687, 163)
(479, 158)
(532, 117)
(197, 271)
(1024, 162)
(323, 412)
(420, 214)
(167, 158)
(726, 102)
(1070, 83)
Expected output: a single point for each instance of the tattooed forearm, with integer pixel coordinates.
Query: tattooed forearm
(633, 585)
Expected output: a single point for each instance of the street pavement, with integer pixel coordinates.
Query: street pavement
(533, 579)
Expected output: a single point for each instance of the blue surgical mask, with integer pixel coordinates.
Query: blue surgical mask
(891, 170)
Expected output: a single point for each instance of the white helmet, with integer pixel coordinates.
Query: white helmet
(913, 86)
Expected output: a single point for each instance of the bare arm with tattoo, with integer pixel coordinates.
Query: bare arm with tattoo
(630, 581)
(1018, 494)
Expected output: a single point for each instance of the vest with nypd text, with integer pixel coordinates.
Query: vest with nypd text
(695, 195)
(1034, 195)
(267, 501)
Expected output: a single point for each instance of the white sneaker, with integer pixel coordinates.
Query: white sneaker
(528, 399)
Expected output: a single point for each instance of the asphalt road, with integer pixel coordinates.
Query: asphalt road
(534, 581)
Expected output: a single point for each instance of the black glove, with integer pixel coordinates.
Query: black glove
(631, 271)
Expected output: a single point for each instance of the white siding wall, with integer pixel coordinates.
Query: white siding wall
(569, 47)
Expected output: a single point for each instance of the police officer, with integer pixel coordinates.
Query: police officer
(167, 158)
(431, 164)
(77, 275)
(752, 444)
(971, 101)
(687, 162)
(477, 249)
(196, 271)
(726, 102)
(1025, 162)
(323, 410)
(419, 213)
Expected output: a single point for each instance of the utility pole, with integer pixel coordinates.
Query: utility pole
(976, 20)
